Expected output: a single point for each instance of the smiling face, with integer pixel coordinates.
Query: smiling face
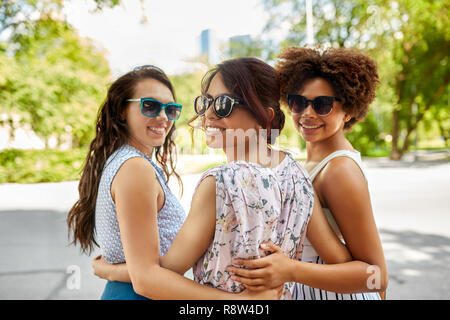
(215, 127)
(315, 128)
(145, 132)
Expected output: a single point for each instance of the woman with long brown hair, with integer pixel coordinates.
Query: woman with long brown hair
(128, 130)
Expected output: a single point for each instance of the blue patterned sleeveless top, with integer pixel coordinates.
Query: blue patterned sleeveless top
(170, 218)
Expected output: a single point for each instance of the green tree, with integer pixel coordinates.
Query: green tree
(16, 16)
(187, 88)
(245, 47)
(49, 75)
(408, 38)
(55, 82)
(423, 69)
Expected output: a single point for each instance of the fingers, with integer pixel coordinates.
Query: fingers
(246, 273)
(247, 281)
(269, 246)
(252, 263)
(96, 259)
(261, 262)
(94, 262)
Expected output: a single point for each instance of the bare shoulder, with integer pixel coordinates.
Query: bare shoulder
(204, 198)
(134, 173)
(342, 174)
(345, 192)
(206, 188)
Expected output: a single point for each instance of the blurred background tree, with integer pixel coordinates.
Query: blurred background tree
(410, 40)
(50, 77)
(52, 80)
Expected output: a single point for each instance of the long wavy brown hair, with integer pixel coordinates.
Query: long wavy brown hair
(112, 133)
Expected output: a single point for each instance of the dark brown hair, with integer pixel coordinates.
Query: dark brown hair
(256, 84)
(111, 134)
(352, 75)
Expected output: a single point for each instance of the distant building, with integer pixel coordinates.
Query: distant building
(243, 39)
(239, 46)
(209, 46)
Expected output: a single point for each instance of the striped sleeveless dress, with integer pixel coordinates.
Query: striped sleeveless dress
(304, 292)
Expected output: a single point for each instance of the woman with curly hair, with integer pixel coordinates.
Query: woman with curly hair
(327, 93)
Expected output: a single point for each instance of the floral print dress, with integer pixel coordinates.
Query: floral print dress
(255, 204)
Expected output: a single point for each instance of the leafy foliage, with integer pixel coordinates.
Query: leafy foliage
(33, 166)
(55, 80)
(410, 40)
(50, 76)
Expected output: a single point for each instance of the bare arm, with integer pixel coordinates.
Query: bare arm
(323, 239)
(135, 189)
(350, 204)
(344, 191)
(111, 272)
(197, 232)
(190, 243)
(277, 268)
(351, 207)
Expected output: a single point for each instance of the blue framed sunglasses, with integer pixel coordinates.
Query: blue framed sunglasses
(152, 107)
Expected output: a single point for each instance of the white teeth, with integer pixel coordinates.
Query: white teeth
(213, 130)
(158, 130)
(310, 127)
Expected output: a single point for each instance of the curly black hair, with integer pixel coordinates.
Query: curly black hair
(352, 75)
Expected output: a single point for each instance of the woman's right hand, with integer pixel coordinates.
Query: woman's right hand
(101, 267)
(267, 294)
(110, 272)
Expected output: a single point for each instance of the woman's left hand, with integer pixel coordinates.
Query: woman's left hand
(268, 272)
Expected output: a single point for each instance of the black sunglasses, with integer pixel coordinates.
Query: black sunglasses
(223, 105)
(322, 105)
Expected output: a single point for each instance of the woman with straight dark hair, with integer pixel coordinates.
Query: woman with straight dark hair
(124, 199)
(260, 194)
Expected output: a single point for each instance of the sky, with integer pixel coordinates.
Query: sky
(171, 35)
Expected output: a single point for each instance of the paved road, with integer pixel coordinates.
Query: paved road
(411, 204)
